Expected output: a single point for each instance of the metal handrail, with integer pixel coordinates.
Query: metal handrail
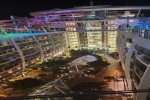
(99, 93)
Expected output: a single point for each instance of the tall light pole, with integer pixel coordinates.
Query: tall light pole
(91, 3)
(77, 68)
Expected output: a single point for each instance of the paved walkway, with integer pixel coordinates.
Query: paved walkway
(109, 70)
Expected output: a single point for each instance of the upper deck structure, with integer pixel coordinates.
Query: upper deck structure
(26, 41)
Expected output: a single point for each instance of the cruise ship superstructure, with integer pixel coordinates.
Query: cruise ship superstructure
(134, 49)
(27, 41)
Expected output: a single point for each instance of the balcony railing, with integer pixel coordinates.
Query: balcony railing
(70, 96)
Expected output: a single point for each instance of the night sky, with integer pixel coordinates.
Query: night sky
(23, 7)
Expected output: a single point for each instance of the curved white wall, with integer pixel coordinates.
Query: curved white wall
(145, 80)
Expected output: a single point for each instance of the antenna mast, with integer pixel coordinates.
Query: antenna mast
(91, 3)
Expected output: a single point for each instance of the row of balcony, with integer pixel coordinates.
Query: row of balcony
(10, 65)
(30, 50)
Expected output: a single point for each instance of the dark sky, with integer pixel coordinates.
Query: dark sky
(23, 7)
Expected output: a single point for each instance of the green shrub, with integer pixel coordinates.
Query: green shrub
(26, 83)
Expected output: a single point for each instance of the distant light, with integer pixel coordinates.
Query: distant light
(131, 20)
(18, 67)
(10, 71)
